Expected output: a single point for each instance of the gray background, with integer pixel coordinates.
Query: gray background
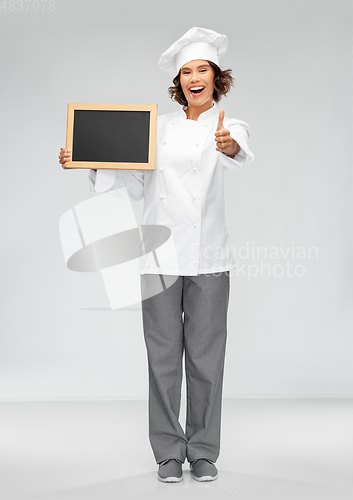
(292, 61)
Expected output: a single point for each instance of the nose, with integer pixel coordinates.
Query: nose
(194, 77)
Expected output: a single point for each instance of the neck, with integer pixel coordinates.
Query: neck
(193, 112)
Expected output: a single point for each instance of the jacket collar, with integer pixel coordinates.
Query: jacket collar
(205, 116)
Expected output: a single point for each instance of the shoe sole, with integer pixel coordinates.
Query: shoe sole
(170, 479)
(204, 478)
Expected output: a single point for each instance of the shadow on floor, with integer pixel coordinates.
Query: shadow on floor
(229, 485)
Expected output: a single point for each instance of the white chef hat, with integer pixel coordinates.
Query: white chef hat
(197, 43)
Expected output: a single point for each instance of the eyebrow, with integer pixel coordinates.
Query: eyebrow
(198, 67)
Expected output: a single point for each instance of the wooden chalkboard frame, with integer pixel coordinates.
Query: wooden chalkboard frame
(151, 108)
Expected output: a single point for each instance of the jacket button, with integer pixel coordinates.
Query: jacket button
(193, 168)
(197, 144)
(194, 224)
(161, 169)
(194, 197)
(162, 196)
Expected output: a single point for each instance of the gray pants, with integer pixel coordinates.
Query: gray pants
(202, 333)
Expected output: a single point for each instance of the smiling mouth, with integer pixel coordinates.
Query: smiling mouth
(197, 90)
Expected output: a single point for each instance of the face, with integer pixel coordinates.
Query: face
(197, 82)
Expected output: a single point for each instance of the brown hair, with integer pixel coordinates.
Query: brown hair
(223, 81)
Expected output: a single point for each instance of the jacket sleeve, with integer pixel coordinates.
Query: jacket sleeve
(107, 180)
(240, 132)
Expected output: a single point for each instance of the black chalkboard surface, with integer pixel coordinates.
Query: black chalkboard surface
(112, 136)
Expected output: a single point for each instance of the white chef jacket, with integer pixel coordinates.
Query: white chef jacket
(185, 192)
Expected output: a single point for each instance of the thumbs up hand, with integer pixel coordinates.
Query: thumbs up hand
(224, 142)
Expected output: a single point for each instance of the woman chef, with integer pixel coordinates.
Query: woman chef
(195, 147)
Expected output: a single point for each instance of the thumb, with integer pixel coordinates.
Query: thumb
(220, 120)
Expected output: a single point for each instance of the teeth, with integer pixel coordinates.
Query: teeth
(197, 88)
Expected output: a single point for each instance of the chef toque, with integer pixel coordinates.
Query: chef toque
(197, 43)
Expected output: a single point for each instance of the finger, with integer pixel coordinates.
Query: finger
(220, 120)
(223, 145)
(222, 132)
(65, 151)
(223, 140)
(63, 159)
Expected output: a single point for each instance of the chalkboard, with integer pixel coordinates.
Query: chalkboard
(112, 136)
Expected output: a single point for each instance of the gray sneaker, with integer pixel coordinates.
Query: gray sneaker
(170, 471)
(203, 469)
